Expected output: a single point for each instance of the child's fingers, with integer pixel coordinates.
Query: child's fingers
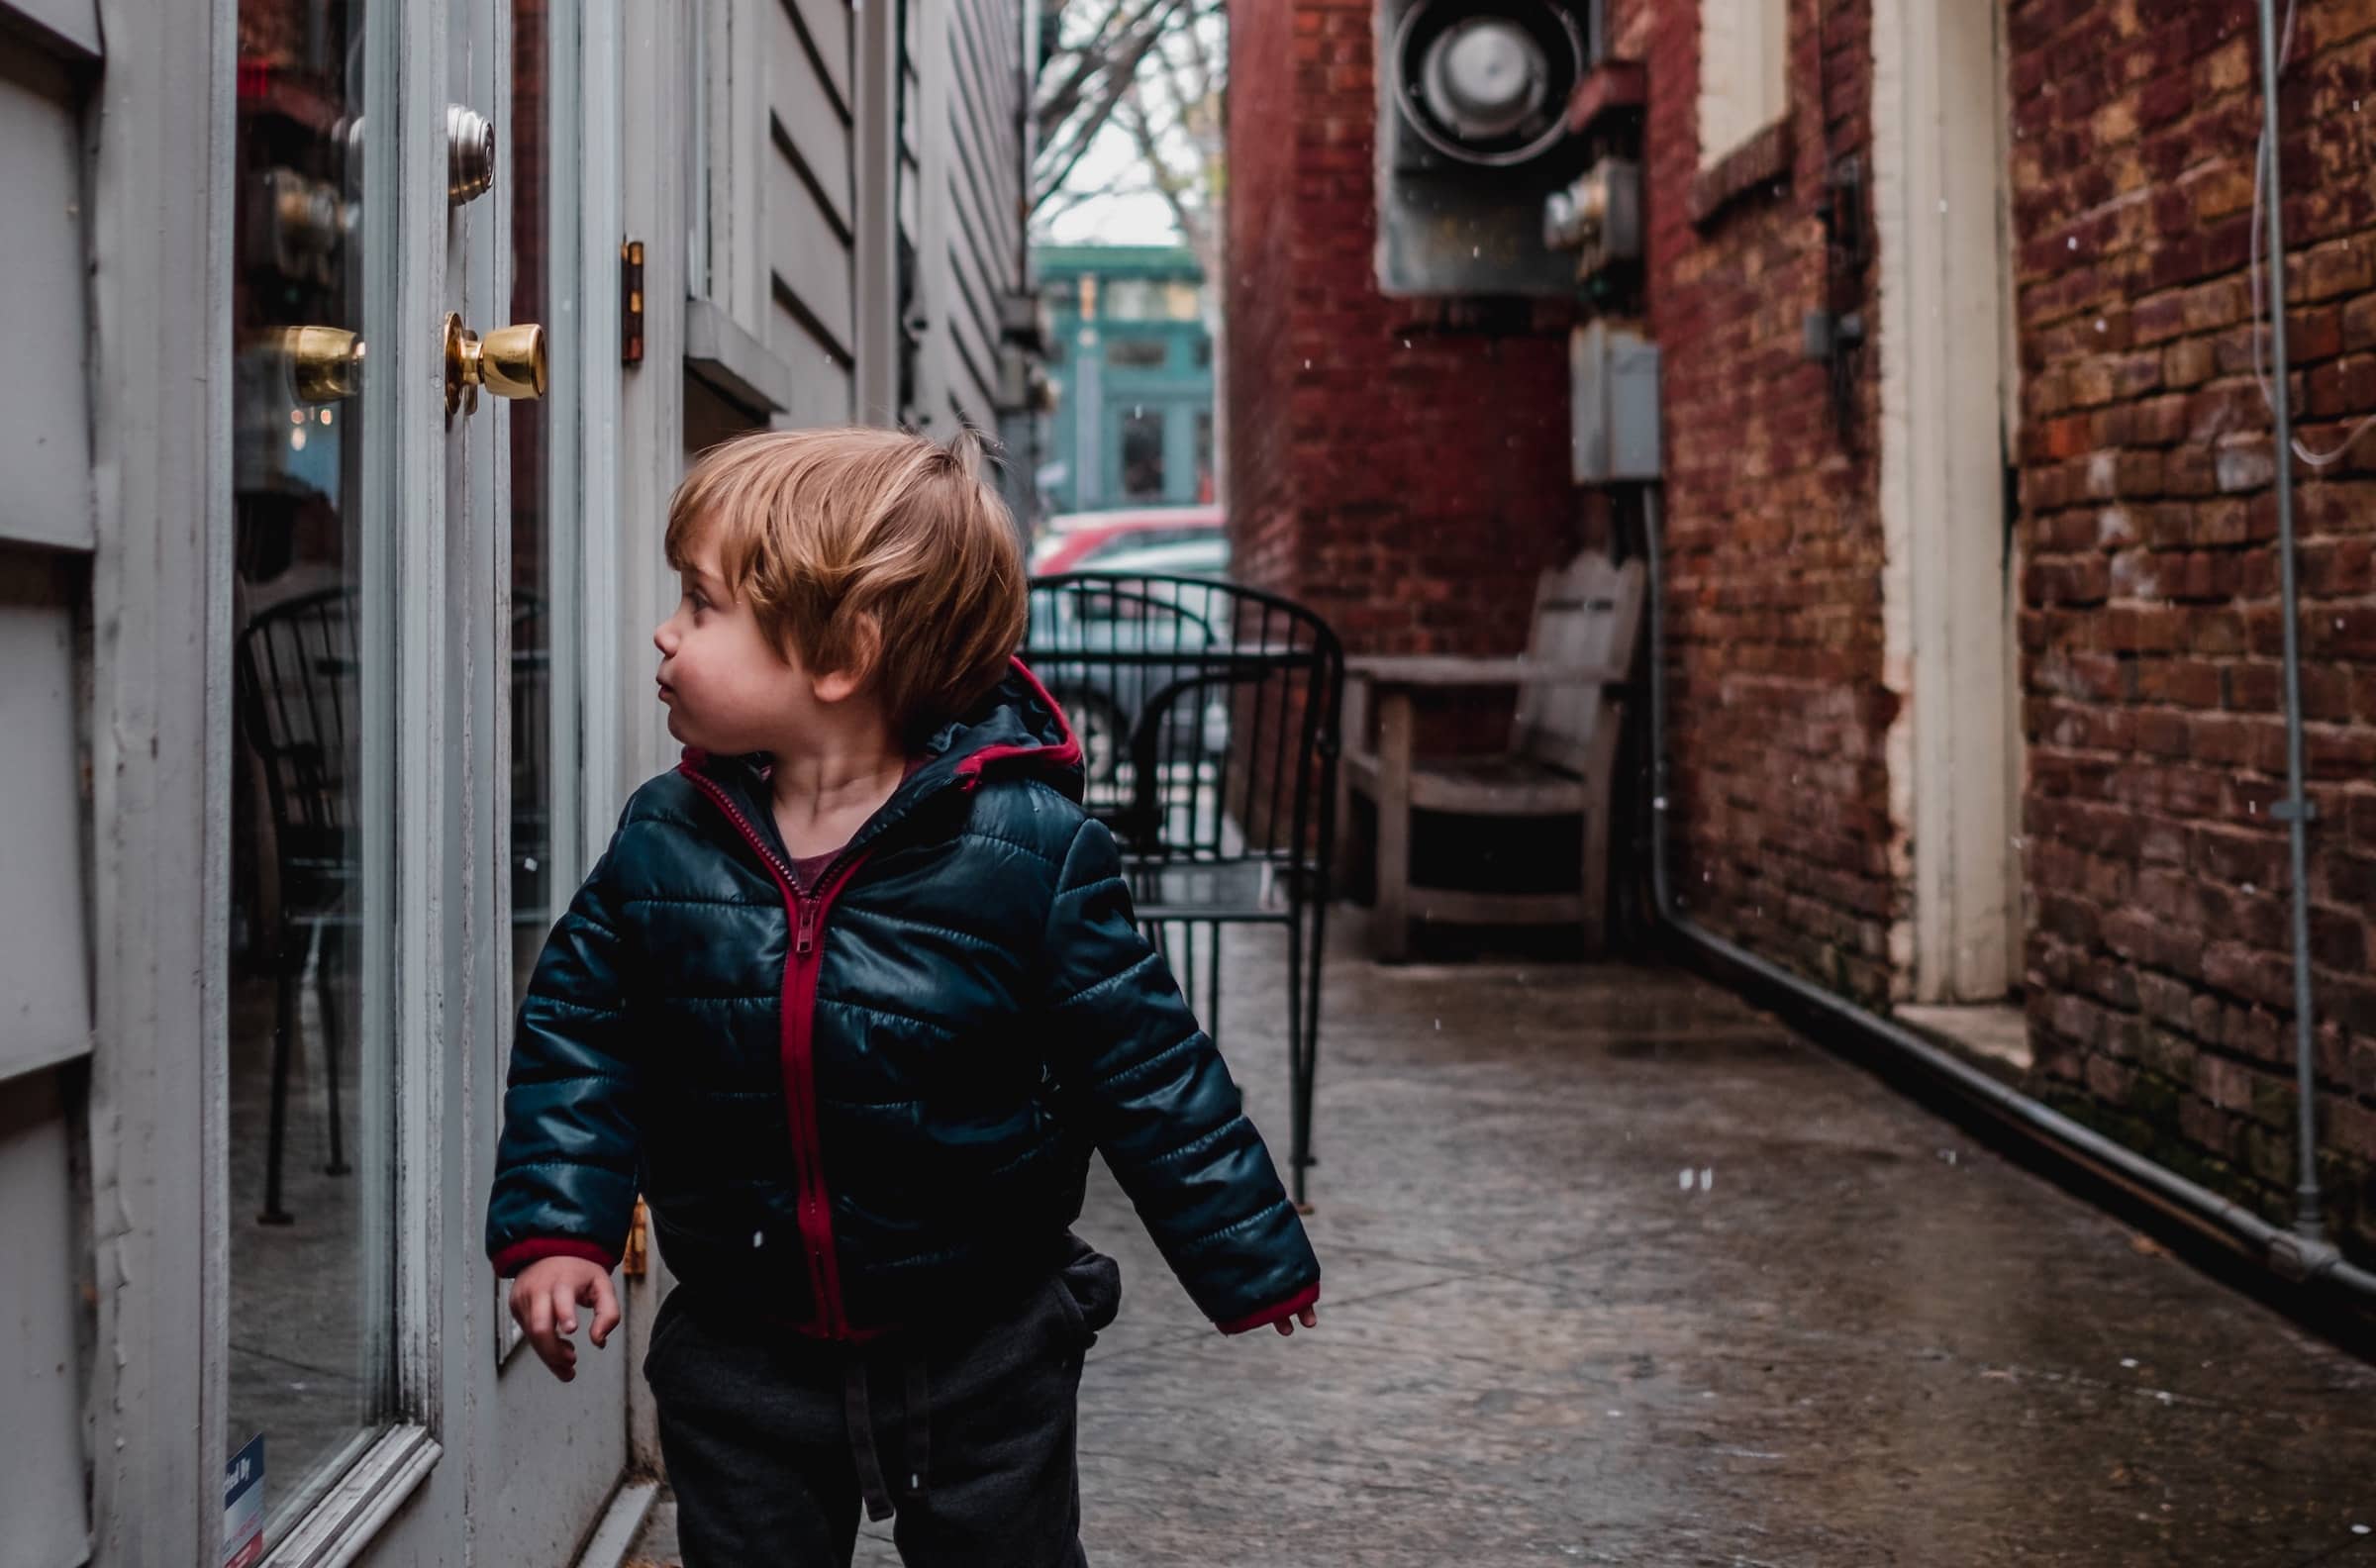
(1309, 1317)
(605, 1303)
(565, 1308)
(535, 1313)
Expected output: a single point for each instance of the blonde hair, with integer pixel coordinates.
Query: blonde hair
(867, 551)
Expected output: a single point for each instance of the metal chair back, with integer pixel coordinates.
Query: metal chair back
(299, 694)
(1209, 720)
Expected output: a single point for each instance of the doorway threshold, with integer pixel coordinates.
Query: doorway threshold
(1995, 1036)
(608, 1546)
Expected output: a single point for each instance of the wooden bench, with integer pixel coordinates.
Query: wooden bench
(1561, 752)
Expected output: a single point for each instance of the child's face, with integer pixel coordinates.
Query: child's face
(726, 685)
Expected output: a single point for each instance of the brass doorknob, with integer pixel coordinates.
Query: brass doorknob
(324, 363)
(509, 362)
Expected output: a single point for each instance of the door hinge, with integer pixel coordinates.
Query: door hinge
(634, 1260)
(631, 302)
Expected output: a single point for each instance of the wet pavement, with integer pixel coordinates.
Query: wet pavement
(1619, 1270)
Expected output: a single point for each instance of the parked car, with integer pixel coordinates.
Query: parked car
(1106, 652)
(1075, 541)
(1198, 558)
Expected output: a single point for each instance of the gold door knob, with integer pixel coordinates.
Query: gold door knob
(324, 363)
(509, 362)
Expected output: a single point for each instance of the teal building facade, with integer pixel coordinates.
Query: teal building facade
(1131, 364)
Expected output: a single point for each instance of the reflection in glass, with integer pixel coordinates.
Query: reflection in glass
(310, 1368)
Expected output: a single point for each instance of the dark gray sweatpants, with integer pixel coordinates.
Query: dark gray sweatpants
(773, 1441)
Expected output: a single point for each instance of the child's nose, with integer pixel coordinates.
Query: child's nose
(662, 640)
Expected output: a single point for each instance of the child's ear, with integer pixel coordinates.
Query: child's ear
(865, 646)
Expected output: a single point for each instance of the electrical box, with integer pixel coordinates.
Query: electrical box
(1472, 138)
(1599, 217)
(1612, 402)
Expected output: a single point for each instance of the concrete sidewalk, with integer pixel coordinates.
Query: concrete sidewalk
(1618, 1270)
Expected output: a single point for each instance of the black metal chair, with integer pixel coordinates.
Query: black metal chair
(299, 702)
(1209, 716)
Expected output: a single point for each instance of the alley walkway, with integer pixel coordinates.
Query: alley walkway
(1620, 1271)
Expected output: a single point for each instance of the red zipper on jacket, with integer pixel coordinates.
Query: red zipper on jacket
(799, 1011)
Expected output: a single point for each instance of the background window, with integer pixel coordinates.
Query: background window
(1183, 301)
(1143, 454)
(1131, 299)
(1743, 71)
(1135, 354)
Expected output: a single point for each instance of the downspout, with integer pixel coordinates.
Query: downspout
(2294, 810)
(2295, 1256)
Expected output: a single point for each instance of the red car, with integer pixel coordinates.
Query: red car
(1074, 540)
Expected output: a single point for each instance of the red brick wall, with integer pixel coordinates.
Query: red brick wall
(1405, 476)
(2160, 957)
(1413, 490)
(1779, 792)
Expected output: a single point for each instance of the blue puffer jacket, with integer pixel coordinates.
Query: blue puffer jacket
(872, 1104)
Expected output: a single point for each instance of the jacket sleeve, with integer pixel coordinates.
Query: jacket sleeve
(565, 1168)
(1161, 1105)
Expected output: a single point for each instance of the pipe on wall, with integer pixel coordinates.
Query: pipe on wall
(2294, 810)
(2296, 1257)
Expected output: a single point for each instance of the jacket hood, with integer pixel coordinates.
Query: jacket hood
(1018, 725)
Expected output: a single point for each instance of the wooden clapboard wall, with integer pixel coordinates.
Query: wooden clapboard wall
(970, 169)
(807, 160)
(808, 195)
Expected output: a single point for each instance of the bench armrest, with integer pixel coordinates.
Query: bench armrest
(1441, 670)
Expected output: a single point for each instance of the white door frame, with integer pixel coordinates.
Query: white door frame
(161, 746)
(1939, 212)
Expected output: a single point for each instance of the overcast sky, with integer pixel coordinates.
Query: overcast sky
(1139, 216)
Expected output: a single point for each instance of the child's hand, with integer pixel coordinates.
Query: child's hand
(545, 1297)
(1309, 1317)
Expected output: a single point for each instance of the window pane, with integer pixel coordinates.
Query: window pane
(1130, 299)
(310, 1091)
(1182, 301)
(1135, 353)
(1143, 454)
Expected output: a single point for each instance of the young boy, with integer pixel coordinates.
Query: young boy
(851, 998)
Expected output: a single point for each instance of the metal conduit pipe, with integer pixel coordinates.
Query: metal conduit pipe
(2294, 1256)
(2294, 810)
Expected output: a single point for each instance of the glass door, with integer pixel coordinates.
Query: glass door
(367, 608)
(311, 1373)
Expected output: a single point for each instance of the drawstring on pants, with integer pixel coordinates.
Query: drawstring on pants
(858, 1404)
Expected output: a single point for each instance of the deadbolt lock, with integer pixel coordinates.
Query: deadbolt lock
(470, 154)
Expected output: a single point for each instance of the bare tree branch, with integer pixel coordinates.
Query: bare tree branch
(1057, 101)
(1121, 47)
(1178, 189)
(1072, 197)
